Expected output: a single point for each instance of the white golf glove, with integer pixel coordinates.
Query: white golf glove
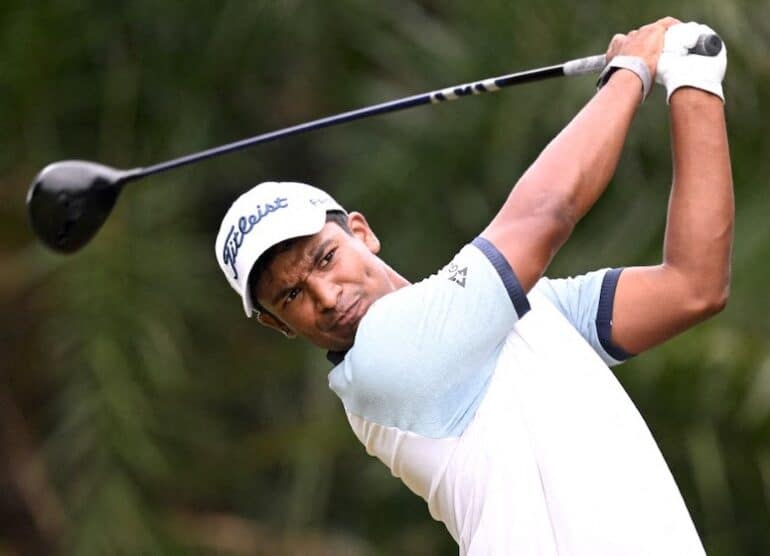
(678, 68)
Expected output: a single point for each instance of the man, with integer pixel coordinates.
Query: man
(485, 387)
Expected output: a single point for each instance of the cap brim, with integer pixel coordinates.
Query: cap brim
(312, 224)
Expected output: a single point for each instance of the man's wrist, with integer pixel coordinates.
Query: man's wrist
(694, 96)
(633, 64)
(627, 80)
(708, 88)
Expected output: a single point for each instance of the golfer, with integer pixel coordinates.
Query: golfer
(485, 387)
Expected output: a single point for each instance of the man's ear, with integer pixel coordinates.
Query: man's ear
(267, 319)
(360, 228)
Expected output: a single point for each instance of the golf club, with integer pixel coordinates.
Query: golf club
(69, 200)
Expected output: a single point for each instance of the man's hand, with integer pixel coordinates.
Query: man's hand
(645, 43)
(678, 68)
(637, 52)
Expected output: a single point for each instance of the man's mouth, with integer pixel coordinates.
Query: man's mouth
(350, 316)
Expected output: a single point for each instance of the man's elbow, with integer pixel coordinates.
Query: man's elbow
(710, 301)
(717, 303)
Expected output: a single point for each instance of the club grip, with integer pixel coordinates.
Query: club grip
(707, 45)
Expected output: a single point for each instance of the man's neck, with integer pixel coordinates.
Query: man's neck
(396, 280)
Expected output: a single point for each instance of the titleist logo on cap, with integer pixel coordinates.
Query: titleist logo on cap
(246, 224)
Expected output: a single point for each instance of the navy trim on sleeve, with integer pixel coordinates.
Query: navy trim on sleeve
(604, 315)
(335, 357)
(504, 270)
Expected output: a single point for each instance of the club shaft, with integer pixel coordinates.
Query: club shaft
(707, 45)
(432, 97)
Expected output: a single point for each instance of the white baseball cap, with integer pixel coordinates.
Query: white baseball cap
(265, 215)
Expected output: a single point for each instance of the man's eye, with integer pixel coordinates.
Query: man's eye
(294, 292)
(327, 258)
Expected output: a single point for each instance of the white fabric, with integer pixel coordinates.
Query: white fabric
(678, 68)
(556, 460)
(423, 355)
(633, 64)
(578, 299)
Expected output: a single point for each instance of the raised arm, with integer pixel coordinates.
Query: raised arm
(574, 169)
(692, 283)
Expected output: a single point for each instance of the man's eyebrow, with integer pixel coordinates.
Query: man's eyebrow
(316, 256)
(319, 251)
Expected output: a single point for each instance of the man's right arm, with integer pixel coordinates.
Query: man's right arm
(573, 171)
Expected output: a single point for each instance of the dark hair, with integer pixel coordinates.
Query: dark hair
(266, 259)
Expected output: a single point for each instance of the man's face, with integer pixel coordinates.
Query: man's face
(323, 285)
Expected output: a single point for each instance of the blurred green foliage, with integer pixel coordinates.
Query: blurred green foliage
(141, 413)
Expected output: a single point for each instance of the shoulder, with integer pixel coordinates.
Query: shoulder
(466, 304)
(423, 354)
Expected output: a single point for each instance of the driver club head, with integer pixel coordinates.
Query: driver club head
(69, 201)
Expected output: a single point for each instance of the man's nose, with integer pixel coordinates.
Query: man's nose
(325, 292)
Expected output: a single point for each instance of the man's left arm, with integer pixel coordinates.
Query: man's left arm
(653, 304)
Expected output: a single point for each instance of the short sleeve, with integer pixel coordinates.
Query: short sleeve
(587, 302)
(423, 355)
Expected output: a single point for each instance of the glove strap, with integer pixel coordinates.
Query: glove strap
(674, 84)
(632, 63)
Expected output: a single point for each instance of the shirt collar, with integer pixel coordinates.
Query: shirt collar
(336, 357)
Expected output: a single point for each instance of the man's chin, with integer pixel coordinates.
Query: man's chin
(335, 344)
(340, 346)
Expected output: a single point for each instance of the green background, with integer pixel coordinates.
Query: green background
(141, 413)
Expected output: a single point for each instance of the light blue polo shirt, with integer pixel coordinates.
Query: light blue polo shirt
(424, 354)
(498, 409)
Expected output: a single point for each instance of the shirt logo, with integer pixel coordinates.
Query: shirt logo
(457, 274)
(246, 224)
